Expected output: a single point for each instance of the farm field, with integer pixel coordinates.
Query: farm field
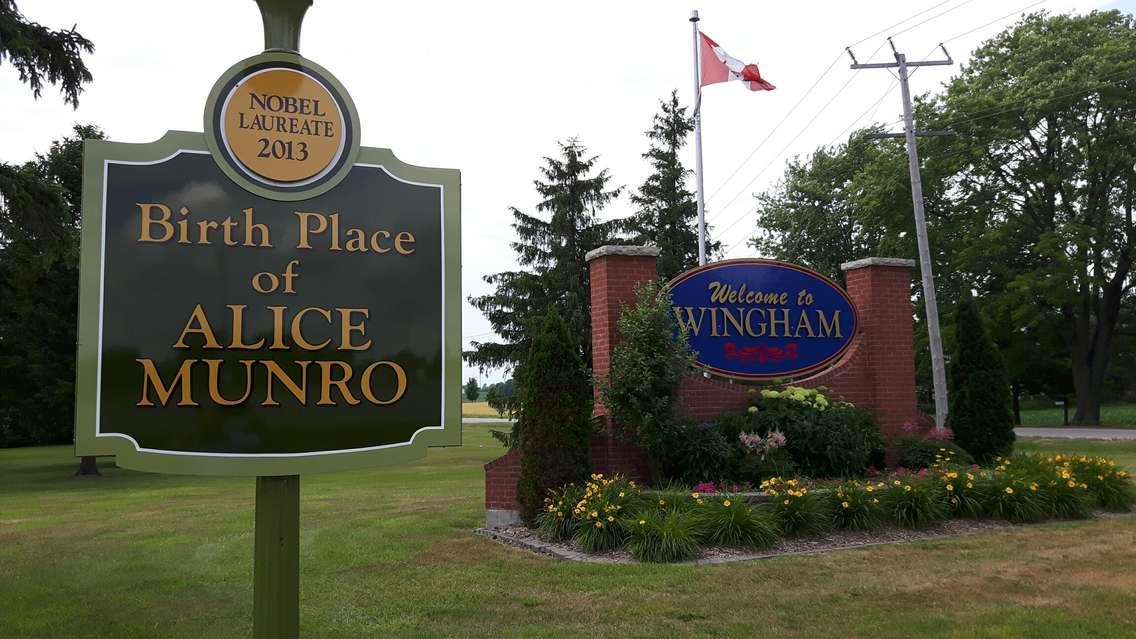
(391, 552)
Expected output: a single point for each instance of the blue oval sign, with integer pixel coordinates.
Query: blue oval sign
(760, 319)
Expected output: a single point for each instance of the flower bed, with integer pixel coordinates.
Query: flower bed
(613, 515)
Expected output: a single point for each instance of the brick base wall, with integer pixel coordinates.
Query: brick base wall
(610, 456)
(877, 371)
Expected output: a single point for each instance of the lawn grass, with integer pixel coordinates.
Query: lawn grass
(390, 553)
(1112, 416)
(1123, 451)
(477, 409)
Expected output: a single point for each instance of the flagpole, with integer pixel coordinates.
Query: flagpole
(698, 141)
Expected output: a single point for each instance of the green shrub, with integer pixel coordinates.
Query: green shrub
(692, 453)
(855, 505)
(553, 432)
(647, 364)
(757, 468)
(602, 510)
(913, 503)
(824, 438)
(797, 511)
(980, 413)
(663, 535)
(729, 522)
(928, 453)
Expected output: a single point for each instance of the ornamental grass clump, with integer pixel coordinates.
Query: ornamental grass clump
(963, 491)
(599, 513)
(728, 521)
(913, 502)
(855, 505)
(557, 522)
(663, 535)
(797, 511)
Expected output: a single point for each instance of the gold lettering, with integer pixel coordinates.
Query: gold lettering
(202, 327)
(774, 322)
(404, 236)
(328, 382)
(346, 328)
(826, 328)
(803, 320)
(299, 391)
(238, 312)
(692, 325)
(214, 382)
(148, 220)
(298, 337)
(400, 383)
(728, 318)
(321, 222)
(150, 377)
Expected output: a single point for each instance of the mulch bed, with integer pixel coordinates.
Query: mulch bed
(524, 538)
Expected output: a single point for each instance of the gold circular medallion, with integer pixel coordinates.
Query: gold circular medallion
(283, 126)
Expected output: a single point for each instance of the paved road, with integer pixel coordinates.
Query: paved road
(1077, 433)
(1054, 433)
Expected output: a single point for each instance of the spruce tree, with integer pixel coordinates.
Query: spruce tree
(553, 430)
(667, 211)
(40, 54)
(550, 251)
(980, 413)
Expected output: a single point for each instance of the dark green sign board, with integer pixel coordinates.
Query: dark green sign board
(267, 298)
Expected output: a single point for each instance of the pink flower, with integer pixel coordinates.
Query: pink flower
(705, 487)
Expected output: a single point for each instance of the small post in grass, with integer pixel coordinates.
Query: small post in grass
(276, 563)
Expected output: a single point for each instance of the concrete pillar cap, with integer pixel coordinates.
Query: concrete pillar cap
(877, 261)
(633, 251)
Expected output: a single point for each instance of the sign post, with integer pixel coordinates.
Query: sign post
(268, 298)
(276, 558)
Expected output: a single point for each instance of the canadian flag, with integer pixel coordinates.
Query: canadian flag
(719, 66)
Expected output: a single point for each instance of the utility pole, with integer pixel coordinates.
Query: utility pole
(938, 366)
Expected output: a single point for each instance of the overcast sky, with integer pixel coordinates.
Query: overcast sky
(490, 87)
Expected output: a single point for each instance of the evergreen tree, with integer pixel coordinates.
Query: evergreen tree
(551, 255)
(980, 414)
(667, 211)
(39, 278)
(553, 430)
(39, 54)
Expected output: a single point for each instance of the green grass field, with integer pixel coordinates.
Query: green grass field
(391, 553)
(1112, 416)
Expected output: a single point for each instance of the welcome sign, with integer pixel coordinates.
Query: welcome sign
(762, 319)
(267, 298)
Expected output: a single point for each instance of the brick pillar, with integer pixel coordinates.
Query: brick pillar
(614, 272)
(881, 290)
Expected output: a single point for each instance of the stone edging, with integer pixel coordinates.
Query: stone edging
(786, 548)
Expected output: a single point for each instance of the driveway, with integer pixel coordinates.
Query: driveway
(1077, 433)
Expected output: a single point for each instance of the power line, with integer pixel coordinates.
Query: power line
(872, 108)
(814, 85)
(934, 17)
(777, 126)
(998, 19)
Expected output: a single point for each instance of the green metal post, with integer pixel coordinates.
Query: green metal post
(276, 565)
(282, 20)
